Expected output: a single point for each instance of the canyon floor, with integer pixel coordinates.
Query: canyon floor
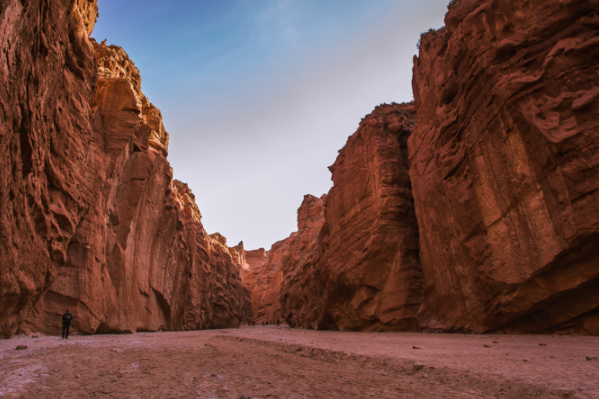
(272, 362)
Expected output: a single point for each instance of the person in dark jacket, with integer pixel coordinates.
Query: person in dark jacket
(66, 324)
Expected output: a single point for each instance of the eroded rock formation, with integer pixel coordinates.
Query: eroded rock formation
(286, 258)
(359, 270)
(505, 172)
(91, 218)
(503, 164)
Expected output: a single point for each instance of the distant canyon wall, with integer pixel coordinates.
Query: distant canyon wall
(353, 263)
(91, 218)
(477, 208)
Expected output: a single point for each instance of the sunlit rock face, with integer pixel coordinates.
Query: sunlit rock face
(91, 217)
(359, 270)
(504, 167)
(285, 259)
(48, 178)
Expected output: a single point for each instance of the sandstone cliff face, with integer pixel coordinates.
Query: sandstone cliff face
(505, 172)
(267, 269)
(93, 220)
(362, 273)
(47, 177)
(295, 259)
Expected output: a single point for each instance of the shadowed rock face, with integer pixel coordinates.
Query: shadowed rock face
(361, 270)
(91, 217)
(505, 172)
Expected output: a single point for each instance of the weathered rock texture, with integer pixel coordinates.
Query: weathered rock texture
(505, 172)
(286, 258)
(360, 269)
(90, 218)
(264, 282)
(292, 263)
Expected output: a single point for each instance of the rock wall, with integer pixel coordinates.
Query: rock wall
(299, 277)
(505, 172)
(91, 218)
(47, 178)
(360, 271)
(268, 269)
(503, 165)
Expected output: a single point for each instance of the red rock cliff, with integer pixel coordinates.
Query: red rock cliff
(91, 218)
(505, 168)
(268, 269)
(362, 273)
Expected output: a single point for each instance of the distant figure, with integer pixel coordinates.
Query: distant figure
(254, 324)
(262, 323)
(277, 322)
(266, 324)
(66, 324)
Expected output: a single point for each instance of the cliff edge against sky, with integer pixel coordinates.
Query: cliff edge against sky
(478, 210)
(92, 219)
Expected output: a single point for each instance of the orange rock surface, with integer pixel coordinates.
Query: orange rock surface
(353, 263)
(360, 271)
(505, 167)
(266, 269)
(92, 219)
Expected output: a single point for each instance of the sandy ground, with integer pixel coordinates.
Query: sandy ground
(274, 362)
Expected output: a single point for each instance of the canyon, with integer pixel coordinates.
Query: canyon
(475, 208)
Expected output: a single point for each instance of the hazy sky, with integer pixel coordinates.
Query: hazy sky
(258, 96)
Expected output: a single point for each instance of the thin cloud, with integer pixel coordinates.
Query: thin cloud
(278, 19)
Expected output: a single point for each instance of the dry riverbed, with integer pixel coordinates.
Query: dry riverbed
(269, 362)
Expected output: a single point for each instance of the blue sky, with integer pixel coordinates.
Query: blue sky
(258, 96)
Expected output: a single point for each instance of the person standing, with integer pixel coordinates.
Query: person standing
(66, 324)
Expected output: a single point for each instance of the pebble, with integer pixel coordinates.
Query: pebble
(495, 342)
(542, 344)
(486, 346)
(418, 367)
(591, 357)
(77, 376)
(526, 360)
(424, 375)
(551, 357)
(21, 348)
(416, 347)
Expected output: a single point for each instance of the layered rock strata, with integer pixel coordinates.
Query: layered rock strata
(505, 167)
(91, 217)
(361, 271)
